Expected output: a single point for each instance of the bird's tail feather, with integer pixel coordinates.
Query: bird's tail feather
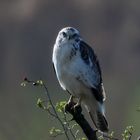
(99, 120)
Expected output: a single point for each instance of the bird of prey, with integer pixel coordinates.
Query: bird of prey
(78, 72)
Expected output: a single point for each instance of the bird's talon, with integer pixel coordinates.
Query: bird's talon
(76, 107)
(68, 107)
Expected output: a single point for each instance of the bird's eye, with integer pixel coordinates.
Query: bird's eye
(64, 34)
(74, 35)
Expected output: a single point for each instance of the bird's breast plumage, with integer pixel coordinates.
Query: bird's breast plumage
(66, 62)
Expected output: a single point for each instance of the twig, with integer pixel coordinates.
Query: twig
(77, 116)
(68, 125)
(40, 82)
(51, 113)
(130, 135)
(107, 136)
(49, 98)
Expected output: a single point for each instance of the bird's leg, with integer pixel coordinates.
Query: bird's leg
(76, 106)
(72, 105)
(69, 103)
(70, 99)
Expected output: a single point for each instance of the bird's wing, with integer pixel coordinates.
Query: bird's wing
(92, 76)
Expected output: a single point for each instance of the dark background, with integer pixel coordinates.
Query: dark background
(28, 29)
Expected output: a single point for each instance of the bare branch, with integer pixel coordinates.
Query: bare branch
(80, 119)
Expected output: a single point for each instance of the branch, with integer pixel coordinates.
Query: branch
(76, 112)
(80, 119)
(54, 114)
(49, 98)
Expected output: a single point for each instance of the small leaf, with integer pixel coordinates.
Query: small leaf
(74, 125)
(52, 130)
(23, 84)
(128, 132)
(60, 106)
(55, 131)
(101, 138)
(40, 103)
(84, 139)
(111, 134)
(40, 82)
(76, 133)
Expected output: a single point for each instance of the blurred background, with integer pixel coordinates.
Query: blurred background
(28, 29)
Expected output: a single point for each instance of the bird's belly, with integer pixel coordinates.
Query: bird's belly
(72, 84)
(68, 76)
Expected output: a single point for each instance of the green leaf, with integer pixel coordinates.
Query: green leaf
(111, 134)
(74, 125)
(23, 84)
(39, 82)
(127, 132)
(55, 131)
(101, 138)
(84, 139)
(60, 106)
(40, 103)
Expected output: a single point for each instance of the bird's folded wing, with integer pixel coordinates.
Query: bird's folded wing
(91, 74)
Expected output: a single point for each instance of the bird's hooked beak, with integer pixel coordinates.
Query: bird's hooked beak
(69, 37)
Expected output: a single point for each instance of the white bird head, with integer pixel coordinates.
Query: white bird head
(68, 34)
